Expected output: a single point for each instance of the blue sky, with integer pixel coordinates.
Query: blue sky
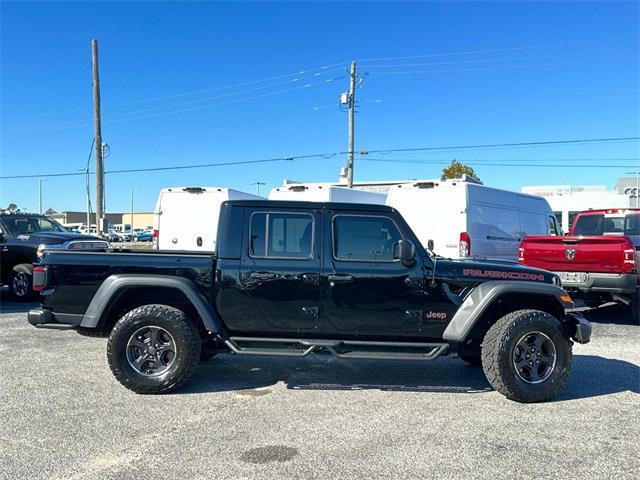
(465, 78)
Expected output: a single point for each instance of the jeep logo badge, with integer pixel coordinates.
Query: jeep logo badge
(570, 253)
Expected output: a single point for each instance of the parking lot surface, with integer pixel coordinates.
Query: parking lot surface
(63, 415)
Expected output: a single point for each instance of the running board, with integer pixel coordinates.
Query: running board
(339, 348)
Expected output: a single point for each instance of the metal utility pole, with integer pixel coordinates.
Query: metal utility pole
(352, 104)
(257, 184)
(132, 190)
(40, 194)
(97, 129)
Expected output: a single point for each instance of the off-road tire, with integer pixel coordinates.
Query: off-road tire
(17, 289)
(635, 307)
(498, 352)
(93, 332)
(474, 360)
(187, 343)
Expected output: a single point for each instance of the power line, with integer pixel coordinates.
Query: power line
(494, 60)
(333, 154)
(496, 50)
(301, 73)
(503, 67)
(494, 145)
(472, 163)
(169, 112)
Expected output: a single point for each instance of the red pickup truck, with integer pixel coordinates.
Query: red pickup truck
(599, 260)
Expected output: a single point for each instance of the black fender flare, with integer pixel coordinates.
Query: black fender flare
(486, 293)
(117, 284)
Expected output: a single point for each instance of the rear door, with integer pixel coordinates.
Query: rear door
(280, 271)
(364, 290)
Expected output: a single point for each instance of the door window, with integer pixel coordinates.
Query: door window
(281, 235)
(553, 226)
(362, 238)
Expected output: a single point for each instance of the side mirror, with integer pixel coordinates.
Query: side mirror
(405, 251)
(430, 245)
(2, 237)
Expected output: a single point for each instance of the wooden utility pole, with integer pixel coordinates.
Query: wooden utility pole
(352, 105)
(97, 129)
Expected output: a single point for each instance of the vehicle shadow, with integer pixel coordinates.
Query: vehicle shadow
(610, 313)
(592, 376)
(8, 305)
(324, 372)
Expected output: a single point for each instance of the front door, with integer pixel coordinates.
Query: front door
(280, 272)
(363, 289)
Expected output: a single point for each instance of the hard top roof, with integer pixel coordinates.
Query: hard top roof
(365, 207)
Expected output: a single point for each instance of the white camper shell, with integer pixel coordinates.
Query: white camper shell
(186, 218)
(325, 193)
(465, 218)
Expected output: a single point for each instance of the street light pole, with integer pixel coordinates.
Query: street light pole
(257, 184)
(40, 194)
(132, 190)
(637, 174)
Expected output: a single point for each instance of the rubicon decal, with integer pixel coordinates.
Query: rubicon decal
(476, 272)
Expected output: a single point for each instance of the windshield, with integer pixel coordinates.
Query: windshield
(26, 225)
(607, 225)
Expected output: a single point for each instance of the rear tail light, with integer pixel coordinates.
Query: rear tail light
(628, 255)
(156, 235)
(39, 278)
(521, 254)
(464, 247)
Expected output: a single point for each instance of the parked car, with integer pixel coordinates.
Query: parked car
(23, 239)
(111, 236)
(143, 236)
(463, 218)
(598, 261)
(294, 278)
(186, 218)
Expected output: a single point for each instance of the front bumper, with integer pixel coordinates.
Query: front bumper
(43, 318)
(579, 328)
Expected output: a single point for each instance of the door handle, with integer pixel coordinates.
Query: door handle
(263, 275)
(333, 279)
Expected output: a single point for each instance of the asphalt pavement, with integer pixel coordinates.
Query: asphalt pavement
(64, 416)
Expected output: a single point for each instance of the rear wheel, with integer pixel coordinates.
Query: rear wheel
(526, 356)
(21, 286)
(153, 349)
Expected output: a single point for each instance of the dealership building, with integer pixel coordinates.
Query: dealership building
(567, 200)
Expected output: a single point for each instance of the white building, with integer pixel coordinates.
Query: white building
(567, 200)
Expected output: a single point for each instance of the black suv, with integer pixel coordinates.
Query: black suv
(23, 239)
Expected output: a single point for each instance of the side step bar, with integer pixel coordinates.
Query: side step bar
(339, 348)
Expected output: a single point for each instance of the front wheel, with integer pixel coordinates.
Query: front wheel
(526, 357)
(153, 349)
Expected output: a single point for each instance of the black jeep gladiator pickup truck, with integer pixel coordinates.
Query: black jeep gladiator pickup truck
(294, 278)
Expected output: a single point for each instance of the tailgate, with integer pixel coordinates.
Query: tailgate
(603, 254)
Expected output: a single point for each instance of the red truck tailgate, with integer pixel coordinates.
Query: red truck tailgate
(602, 254)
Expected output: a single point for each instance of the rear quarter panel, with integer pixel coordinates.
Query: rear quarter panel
(74, 278)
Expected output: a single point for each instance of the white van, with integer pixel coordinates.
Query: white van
(464, 218)
(186, 218)
(325, 193)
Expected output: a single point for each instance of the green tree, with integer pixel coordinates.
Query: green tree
(12, 207)
(50, 211)
(456, 169)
